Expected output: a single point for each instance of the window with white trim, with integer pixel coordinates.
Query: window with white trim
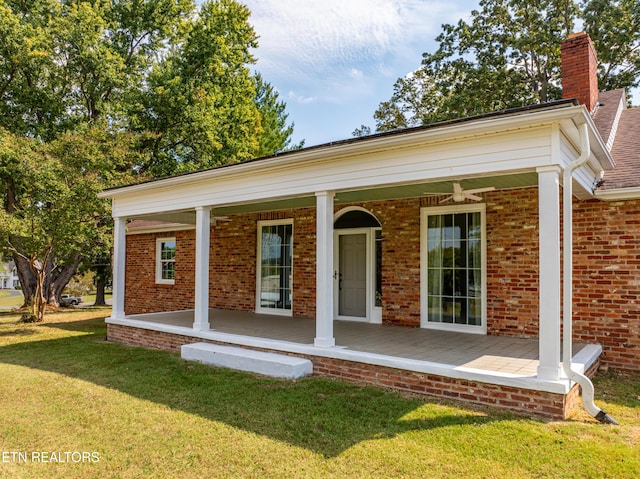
(275, 267)
(165, 260)
(453, 269)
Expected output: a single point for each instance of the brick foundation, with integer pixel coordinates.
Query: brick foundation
(520, 401)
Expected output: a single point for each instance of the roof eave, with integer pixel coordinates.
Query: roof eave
(618, 194)
(499, 121)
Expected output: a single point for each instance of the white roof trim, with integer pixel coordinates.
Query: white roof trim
(618, 194)
(447, 132)
(160, 228)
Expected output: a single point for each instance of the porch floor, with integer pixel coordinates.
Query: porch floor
(508, 355)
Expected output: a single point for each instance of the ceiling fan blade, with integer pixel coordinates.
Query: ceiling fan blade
(448, 198)
(472, 197)
(480, 190)
(442, 193)
(457, 188)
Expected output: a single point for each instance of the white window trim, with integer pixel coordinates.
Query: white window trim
(159, 279)
(259, 308)
(424, 277)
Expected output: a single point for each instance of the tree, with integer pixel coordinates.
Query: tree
(157, 86)
(52, 213)
(276, 135)
(614, 26)
(507, 56)
(362, 130)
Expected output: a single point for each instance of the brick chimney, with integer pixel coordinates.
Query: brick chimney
(580, 69)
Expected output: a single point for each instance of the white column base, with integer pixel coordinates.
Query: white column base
(324, 342)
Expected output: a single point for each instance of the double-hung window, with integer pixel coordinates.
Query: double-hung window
(453, 268)
(165, 260)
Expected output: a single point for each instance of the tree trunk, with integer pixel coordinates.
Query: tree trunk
(100, 285)
(27, 279)
(61, 279)
(39, 300)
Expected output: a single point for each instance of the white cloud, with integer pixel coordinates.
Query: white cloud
(355, 73)
(304, 38)
(338, 59)
(301, 98)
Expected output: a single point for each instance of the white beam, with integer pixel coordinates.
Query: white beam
(549, 290)
(203, 240)
(119, 262)
(324, 270)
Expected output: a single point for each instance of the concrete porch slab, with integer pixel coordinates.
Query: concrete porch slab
(269, 364)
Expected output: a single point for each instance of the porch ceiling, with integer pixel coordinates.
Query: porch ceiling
(414, 190)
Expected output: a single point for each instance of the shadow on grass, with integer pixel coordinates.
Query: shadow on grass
(318, 414)
(17, 332)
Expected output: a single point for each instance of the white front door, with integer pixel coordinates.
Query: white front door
(352, 274)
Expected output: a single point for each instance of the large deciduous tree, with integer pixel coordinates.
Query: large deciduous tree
(508, 55)
(51, 215)
(146, 87)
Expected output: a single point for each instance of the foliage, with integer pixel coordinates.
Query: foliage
(508, 55)
(51, 213)
(362, 130)
(188, 420)
(146, 88)
(80, 284)
(614, 27)
(273, 120)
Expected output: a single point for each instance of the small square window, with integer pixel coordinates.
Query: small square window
(165, 260)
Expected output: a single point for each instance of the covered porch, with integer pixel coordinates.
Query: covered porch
(509, 240)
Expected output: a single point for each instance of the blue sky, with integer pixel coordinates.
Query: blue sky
(334, 61)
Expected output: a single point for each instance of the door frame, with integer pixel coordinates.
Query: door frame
(373, 313)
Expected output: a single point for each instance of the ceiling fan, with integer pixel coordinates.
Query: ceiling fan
(459, 195)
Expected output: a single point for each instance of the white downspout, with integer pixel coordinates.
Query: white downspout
(567, 314)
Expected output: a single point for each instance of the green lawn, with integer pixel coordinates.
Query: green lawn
(147, 413)
(8, 299)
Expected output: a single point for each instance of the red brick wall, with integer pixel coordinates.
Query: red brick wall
(143, 295)
(233, 261)
(607, 279)
(580, 69)
(400, 221)
(512, 263)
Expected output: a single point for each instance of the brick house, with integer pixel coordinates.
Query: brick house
(428, 259)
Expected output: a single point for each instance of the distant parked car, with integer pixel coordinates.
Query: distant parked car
(68, 300)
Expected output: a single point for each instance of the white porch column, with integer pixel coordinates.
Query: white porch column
(119, 262)
(203, 234)
(550, 288)
(324, 270)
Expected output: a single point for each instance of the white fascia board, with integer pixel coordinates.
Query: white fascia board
(459, 131)
(618, 194)
(500, 153)
(161, 229)
(600, 159)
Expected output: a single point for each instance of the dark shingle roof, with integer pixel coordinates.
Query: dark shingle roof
(606, 114)
(625, 152)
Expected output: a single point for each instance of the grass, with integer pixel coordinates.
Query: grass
(147, 413)
(9, 300)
